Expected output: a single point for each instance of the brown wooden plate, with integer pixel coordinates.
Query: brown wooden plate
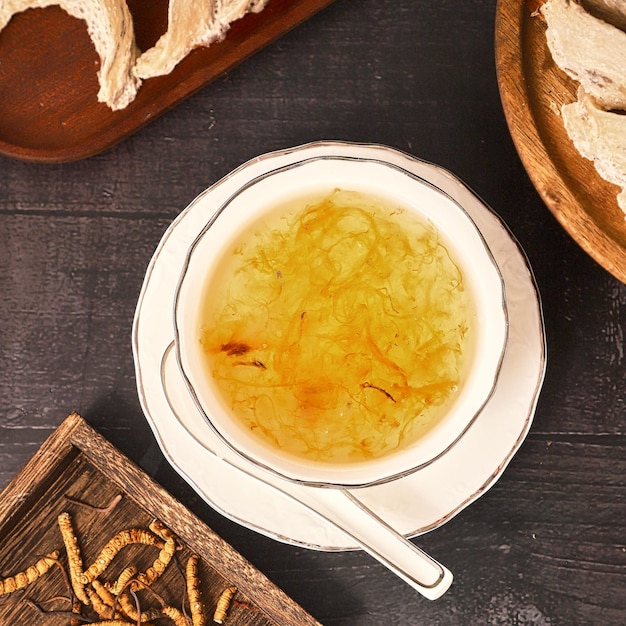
(48, 83)
(533, 89)
(77, 471)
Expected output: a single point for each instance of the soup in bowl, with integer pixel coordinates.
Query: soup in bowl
(340, 322)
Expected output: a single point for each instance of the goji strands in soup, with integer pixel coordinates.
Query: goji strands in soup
(337, 329)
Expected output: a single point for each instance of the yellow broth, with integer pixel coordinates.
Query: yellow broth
(338, 329)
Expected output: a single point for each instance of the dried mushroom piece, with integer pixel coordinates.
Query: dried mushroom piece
(588, 50)
(599, 136)
(191, 24)
(591, 50)
(611, 11)
(110, 26)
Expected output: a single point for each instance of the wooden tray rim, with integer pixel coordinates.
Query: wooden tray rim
(566, 207)
(202, 66)
(73, 437)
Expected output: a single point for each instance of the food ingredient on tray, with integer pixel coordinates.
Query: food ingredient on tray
(599, 136)
(193, 591)
(74, 558)
(78, 471)
(612, 11)
(223, 604)
(117, 603)
(115, 544)
(29, 575)
(102, 509)
(591, 51)
(110, 26)
(191, 24)
(176, 615)
(164, 557)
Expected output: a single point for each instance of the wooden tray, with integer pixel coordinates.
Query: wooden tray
(48, 84)
(533, 89)
(76, 465)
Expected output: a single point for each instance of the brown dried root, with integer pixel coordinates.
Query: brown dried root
(41, 611)
(29, 575)
(125, 590)
(76, 618)
(223, 604)
(193, 591)
(74, 558)
(114, 545)
(101, 509)
(66, 578)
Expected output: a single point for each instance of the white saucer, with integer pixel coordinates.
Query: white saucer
(413, 505)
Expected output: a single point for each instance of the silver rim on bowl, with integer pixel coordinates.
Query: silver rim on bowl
(177, 331)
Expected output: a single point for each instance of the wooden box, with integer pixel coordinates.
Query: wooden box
(77, 471)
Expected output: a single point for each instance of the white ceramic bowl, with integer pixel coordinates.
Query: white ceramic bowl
(316, 177)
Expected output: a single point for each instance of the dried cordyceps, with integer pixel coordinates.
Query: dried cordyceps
(161, 529)
(74, 558)
(115, 602)
(223, 604)
(176, 615)
(165, 555)
(112, 622)
(114, 545)
(193, 591)
(100, 606)
(105, 596)
(29, 575)
(122, 581)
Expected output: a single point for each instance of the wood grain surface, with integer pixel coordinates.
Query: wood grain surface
(533, 90)
(546, 545)
(78, 472)
(50, 110)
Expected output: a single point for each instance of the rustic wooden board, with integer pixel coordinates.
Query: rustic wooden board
(533, 89)
(48, 85)
(76, 465)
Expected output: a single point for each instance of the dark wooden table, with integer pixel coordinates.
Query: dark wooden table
(547, 544)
